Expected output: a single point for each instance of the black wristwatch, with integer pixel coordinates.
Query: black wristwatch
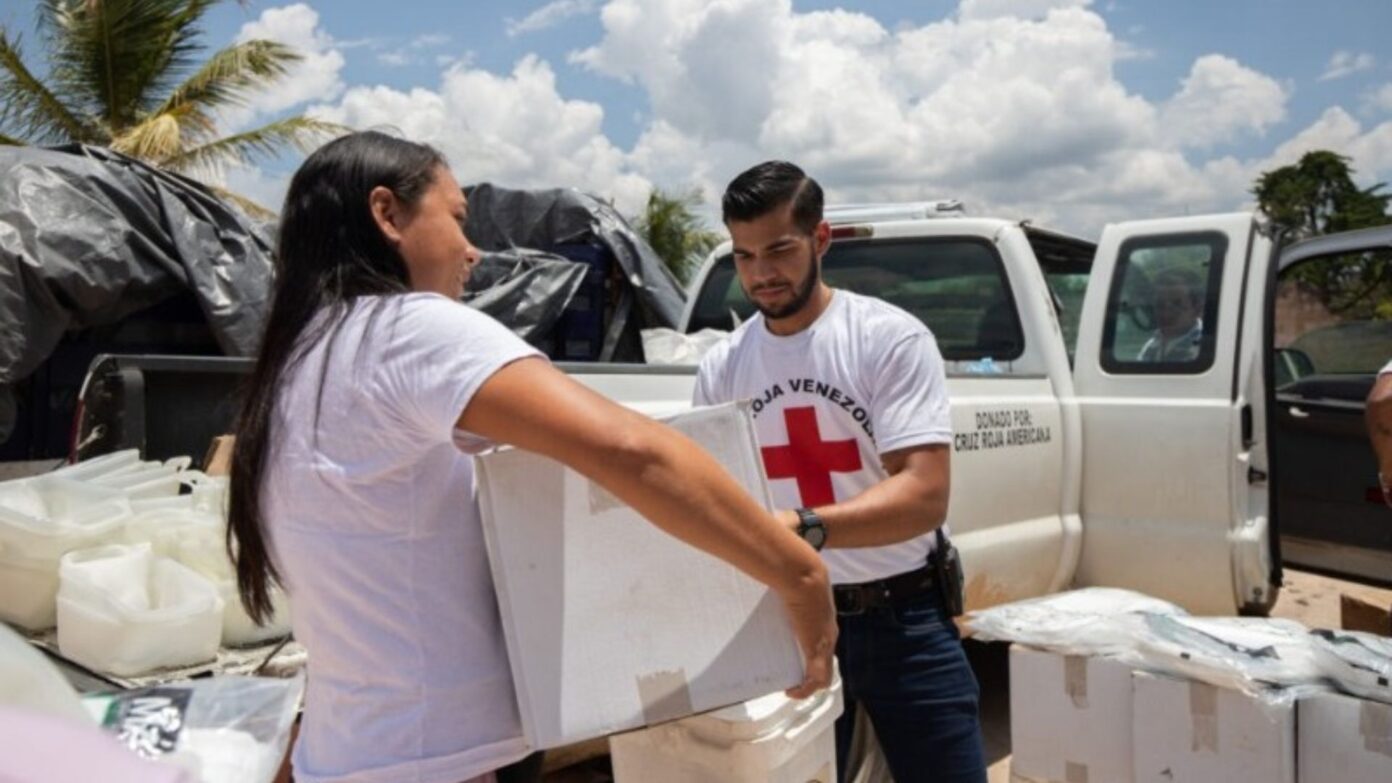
(811, 528)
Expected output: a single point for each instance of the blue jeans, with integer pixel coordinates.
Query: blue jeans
(905, 665)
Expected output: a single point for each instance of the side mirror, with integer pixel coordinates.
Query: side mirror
(1291, 364)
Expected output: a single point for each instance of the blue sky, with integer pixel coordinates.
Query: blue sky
(1068, 111)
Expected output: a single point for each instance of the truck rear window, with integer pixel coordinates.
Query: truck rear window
(955, 286)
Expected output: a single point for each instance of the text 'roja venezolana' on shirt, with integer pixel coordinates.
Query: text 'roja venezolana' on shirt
(835, 396)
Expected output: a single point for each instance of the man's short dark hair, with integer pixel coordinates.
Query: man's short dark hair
(768, 186)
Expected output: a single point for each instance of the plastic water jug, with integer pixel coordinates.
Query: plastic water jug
(41, 519)
(209, 558)
(106, 464)
(125, 611)
(164, 528)
(771, 739)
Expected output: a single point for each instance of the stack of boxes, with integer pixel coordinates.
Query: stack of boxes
(1094, 719)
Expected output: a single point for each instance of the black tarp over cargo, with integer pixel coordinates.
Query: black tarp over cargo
(647, 295)
(89, 237)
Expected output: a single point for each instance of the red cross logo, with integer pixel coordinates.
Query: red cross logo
(809, 459)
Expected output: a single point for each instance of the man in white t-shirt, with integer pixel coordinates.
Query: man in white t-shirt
(850, 406)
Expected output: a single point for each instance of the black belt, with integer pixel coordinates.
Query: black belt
(855, 599)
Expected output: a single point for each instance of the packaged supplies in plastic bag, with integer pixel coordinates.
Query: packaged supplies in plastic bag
(668, 346)
(1091, 621)
(1249, 654)
(43, 747)
(29, 681)
(225, 729)
(1362, 662)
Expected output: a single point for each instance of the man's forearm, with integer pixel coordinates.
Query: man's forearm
(904, 506)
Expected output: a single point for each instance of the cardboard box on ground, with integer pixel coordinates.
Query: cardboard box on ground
(1070, 718)
(1344, 739)
(1184, 730)
(611, 624)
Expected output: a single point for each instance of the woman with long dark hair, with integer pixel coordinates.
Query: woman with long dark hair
(351, 481)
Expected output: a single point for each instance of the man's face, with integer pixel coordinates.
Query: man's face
(778, 264)
(1174, 309)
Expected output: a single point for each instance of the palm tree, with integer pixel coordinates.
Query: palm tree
(126, 74)
(669, 224)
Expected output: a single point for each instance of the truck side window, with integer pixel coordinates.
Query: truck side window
(1163, 309)
(1333, 326)
(957, 286)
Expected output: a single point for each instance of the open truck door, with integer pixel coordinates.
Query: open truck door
(1332, 335)
(1170, 375)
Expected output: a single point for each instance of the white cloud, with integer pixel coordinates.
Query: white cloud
(1379, 100)
(515, 130)
(1220, 100)
(262, 187)
(1021, 9)
(1013, 107)
(429, 40)
(1344, 63)
(1337, 130)
(315, 77)
(395, 59)
(550, 15)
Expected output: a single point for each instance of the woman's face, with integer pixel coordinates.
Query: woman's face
(430, 237)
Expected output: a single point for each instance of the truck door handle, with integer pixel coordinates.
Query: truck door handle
(1297, 412)
(1255, 476)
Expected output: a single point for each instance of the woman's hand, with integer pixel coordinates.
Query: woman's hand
(810, 610)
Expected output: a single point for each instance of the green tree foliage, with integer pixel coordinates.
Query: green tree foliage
(129, 75)
(669, 224)
(1317, 196)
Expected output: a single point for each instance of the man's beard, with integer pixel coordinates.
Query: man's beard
(801, 295)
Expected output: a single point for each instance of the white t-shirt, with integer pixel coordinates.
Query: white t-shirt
(864, 379)
(373, 524)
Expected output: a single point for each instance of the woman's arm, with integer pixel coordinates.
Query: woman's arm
(669, 480)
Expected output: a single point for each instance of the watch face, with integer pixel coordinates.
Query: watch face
(815, 535)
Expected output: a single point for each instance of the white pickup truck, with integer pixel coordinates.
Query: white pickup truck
(1092, 446)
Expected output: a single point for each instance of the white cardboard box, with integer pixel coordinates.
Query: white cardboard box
(611, 624)
(1070, 718)
(1191, 732)
(1344, 739)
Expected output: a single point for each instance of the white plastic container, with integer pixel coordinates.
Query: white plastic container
(149, 481)
(771, 739)
(124, 611)
(104, 465)
(165, 528)
(40, 520)
(209, 558)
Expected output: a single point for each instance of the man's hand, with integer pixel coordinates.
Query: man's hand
(788, 519)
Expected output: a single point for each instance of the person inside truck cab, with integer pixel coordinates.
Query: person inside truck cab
(852, 418)
(1178, 309)
(351, 481)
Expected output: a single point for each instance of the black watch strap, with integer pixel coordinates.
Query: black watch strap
(811, 528)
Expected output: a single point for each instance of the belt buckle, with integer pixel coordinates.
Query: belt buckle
(854, 601)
